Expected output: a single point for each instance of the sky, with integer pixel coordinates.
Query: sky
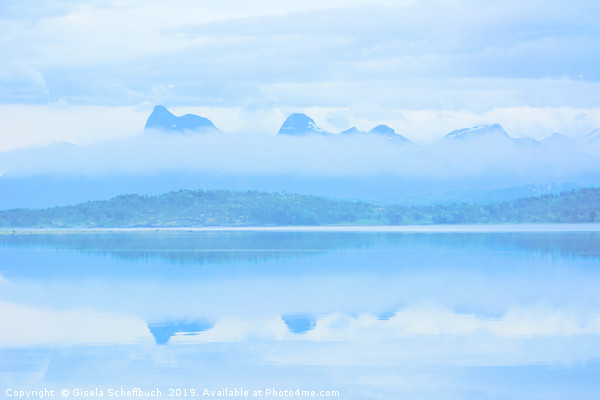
(87, 71)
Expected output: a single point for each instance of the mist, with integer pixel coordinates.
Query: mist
(251, 153)
(360, 167)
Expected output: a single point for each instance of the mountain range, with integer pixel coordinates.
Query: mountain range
(298, 124)
(481, 164)
(301, 125)
(163, 120)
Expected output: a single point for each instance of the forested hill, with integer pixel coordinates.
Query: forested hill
(225, 208)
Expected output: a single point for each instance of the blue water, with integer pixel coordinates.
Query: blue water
(371, 315)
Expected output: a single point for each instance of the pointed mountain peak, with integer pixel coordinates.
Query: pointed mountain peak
(161, 110)
(163, 120)
(299, 124)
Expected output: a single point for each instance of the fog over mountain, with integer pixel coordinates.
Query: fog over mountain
(301, 158)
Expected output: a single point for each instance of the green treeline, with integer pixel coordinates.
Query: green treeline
(187, 208)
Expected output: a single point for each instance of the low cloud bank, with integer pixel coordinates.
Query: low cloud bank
(152, 153)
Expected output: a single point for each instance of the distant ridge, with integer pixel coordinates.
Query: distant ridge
(187, 208)
(387, 132)
(163, 120)
(383, 131)
(478, 132)
(299, 124)
(492, 134)
(352, 131)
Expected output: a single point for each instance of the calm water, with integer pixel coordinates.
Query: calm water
(373, 315)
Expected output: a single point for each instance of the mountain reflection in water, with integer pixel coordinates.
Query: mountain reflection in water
(373, 314)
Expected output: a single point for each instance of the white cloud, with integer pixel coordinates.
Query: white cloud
(414, 54)
(415, 321)
(34, 125)
(421, 335)
(472, 94)
(20, 79)
(29, 326)
(239, 330)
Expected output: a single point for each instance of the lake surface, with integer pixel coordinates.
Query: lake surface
(371, 315)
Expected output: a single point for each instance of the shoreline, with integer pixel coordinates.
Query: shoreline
(466, 228)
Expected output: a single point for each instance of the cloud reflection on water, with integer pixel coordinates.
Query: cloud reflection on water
(416, 324)
(469, 315)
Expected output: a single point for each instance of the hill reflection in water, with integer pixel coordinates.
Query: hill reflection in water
(373, 314)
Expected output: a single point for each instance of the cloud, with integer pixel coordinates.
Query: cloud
(411, 322)
(421, 335)
(19, 80)
(415, 54)
(35, 125)
(31, 326)
(472, 94)
(254, 154)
